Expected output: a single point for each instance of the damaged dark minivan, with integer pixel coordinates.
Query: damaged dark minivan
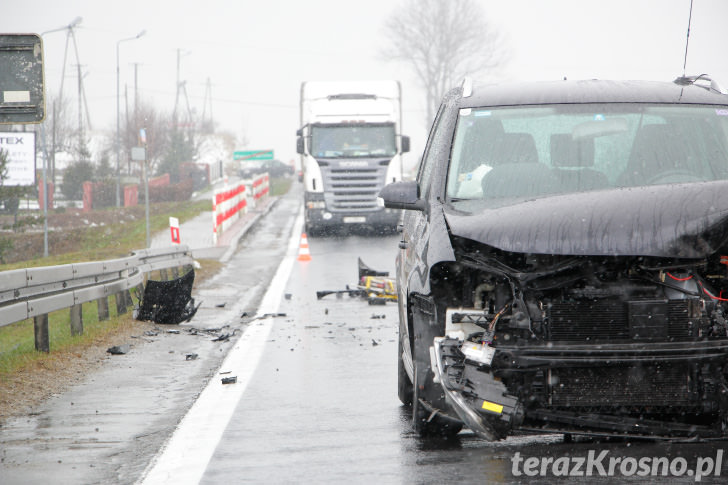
(564, 261)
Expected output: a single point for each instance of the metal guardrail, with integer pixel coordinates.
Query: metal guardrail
(35, 292)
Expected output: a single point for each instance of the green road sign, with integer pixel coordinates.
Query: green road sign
(253, 155)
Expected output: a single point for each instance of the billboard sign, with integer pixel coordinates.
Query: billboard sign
(20, 150)
(21, 79)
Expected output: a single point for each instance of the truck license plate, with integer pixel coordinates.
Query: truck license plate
(355, 219)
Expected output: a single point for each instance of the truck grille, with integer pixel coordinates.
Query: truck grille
(354, 189)
(616, 319)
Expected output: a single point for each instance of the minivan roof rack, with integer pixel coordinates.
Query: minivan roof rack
(690, 80)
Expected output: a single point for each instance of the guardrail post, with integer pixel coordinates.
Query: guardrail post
(129, 301)
(76, 320)
(140, 293)
(103, 308)
(40, 328)
(175, 273)
(120, 303)
(163, 274)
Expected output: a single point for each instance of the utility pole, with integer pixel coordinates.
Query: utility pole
(53, 140)
(118, 170)
(208, 125)
(70, 27)
(176, 98)
(136, 94)
(127, 124)
(81, 151)
(136, 102)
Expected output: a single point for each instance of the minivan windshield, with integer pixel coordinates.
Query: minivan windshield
(353, 140)
(509, 154)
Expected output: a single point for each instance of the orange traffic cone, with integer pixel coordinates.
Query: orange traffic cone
(303, 252)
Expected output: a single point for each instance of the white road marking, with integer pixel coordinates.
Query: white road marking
(184, 458)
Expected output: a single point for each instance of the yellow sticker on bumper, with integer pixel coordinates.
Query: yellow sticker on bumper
(492, 407)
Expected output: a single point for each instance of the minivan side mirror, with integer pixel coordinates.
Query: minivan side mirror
(402, 195)
(405, 144)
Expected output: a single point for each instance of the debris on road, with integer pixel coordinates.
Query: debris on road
(221, 305)
(376, 286)
(192, 356)
(353, 292)
(205, 331)
(169, 302)
(218, 333)
(223, 337)
(119, 349)
(260, 317)
(374, 343)
(229, 380)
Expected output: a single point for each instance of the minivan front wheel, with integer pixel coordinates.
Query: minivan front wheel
(404, 384)
(426, 417)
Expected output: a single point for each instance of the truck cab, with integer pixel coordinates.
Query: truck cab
(351, 147)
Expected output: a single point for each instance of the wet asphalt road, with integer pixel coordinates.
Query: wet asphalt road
(320, 407)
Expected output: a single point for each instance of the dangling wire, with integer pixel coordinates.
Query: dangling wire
(687, 40)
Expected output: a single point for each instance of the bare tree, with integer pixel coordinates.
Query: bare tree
(155, 125)
(61, 135)
(442, 41)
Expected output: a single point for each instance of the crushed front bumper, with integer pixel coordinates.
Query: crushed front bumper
(484, 405)
(622, 389)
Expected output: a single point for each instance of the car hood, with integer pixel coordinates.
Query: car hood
(681, 220)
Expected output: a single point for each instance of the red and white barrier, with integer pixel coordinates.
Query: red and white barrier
(259, 187)
(227, 205)
(174, 230)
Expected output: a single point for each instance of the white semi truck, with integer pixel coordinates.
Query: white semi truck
(350, 146)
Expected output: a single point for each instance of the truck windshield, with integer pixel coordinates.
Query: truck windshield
(353, 141)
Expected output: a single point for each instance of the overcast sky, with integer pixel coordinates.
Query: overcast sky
(256, 53)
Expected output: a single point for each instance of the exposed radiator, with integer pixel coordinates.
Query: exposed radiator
(664, 386)
(616, 320)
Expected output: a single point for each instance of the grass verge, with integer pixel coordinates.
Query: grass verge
(27, 377)
(124, 233)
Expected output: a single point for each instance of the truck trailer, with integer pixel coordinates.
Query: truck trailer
(351, 147)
